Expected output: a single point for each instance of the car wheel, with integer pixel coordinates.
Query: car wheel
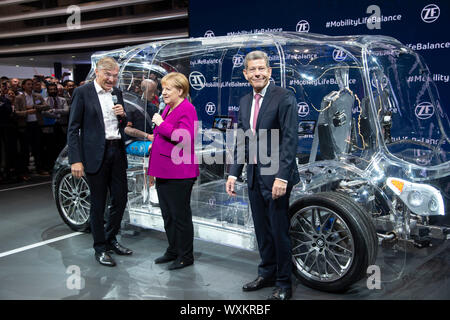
(73, 200)
(333, 242)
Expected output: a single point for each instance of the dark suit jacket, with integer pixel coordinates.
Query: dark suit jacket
(86, 128)
(278, 111)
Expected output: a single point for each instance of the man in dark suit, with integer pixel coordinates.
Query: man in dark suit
(95, 138)
(272, 110)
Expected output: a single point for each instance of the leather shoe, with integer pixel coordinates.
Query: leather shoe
(105, 259)
(164, 259)
(119, 249)
(281, 294)
(258, 283)
(178, 264)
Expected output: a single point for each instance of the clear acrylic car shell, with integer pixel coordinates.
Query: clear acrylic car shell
(368, 111)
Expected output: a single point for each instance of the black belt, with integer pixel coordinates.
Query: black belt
(114, 142)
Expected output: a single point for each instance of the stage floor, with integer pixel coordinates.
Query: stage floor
(40, 258)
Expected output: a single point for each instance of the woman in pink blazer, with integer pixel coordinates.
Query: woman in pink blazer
(174, 165)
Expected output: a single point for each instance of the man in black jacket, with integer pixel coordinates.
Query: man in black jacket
(96, 148)
(8, 133)
(269, 117)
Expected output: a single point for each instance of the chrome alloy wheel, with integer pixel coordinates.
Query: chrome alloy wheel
(74, 199)
(322, 244)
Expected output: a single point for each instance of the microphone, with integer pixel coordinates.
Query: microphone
(115, 100)
(160, 112)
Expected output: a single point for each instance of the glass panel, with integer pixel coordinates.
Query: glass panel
(329, 88)
(410, 115)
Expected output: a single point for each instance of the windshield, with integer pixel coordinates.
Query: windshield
(413, 122)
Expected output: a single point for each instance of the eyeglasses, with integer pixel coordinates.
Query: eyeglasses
(260, 69)
(109, 75)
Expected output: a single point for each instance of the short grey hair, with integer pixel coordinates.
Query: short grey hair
(107, 63)
(256, 55)
(147, 82)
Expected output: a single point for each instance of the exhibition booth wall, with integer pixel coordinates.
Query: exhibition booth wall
(421, 25)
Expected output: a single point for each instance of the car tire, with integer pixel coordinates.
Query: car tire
(73, 200)
(333, 241)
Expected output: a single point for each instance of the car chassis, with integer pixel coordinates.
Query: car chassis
(373, 159)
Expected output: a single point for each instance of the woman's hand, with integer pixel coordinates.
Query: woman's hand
(157, 119)
(151, 181)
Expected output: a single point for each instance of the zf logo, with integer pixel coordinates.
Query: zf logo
(302, 26)
(424, 110)
(422, 157)
(339, 55)
(197, 80)
(210, 108)
(384, 82)
(212, 202)
(303, 109)
(209, 34)
(238, 60)
(430, 13)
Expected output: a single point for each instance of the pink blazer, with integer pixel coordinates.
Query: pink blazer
(172, 153)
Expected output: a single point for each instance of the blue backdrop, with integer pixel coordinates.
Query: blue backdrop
(420, 24)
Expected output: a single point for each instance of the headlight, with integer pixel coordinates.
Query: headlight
(433, 205)
(415, 198)
(421, 199)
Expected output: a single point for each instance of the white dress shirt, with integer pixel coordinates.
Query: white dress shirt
(109, 118)
(29, 101)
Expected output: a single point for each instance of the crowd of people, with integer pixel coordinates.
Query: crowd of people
(33, 124)
(34, 115)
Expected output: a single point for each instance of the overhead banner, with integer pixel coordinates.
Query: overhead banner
(420, 25)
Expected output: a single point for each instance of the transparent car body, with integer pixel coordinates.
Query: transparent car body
(371, 126)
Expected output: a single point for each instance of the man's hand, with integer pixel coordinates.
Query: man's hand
(118, 110)
(230, 186)
(278, 189)
(77, 170)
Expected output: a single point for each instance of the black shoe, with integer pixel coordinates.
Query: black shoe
(119, 249)
(281, 294)
(178, 264)
(165, 258)
(105, 259)
(258, 283)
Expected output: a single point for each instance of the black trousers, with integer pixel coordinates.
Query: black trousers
(111, 177)
(8, 138)
(175, 202)
(271, 221)
(34, 142)
(53, 141)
